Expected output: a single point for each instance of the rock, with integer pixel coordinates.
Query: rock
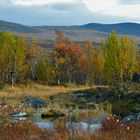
(52, 113)
(135, 117)
(19, 114)
(136, 77)
(37, 103)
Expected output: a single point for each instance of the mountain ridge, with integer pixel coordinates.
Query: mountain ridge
(90, 31)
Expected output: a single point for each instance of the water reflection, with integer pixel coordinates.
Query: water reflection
(69, 122)
(45, 125)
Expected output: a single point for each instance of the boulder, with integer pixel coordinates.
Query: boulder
(35, 102)
(135, 117)
(136, 77)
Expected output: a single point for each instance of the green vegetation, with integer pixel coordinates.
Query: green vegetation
(23, 61)
(120, 62)
(65, 78)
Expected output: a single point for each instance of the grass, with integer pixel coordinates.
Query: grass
(21, 131)
(112, 129)
(14, 95)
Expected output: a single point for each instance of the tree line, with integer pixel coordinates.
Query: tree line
(114, 62)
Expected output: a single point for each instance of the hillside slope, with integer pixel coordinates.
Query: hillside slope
(92, 31)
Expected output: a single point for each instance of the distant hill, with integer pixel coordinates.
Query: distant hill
(92, 31)
(9, 26)
(121, 28)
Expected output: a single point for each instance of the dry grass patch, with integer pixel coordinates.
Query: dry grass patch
(14, 95)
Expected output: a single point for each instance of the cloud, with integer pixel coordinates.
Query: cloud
(40, 2)
(99, 5)
(130, 1)
(109, 7)
(4, 3)
(54, 14)
(69, 12)
(124, 11)
(64, 6)
(115, 8)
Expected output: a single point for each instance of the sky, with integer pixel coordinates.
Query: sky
(69, 12)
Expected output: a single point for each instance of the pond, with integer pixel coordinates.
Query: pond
(82, 111)
(84, 120)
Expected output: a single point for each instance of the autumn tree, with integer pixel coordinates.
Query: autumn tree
(138, 61)
(120, 60)
(95, 63)
(44, 70)
(90, 53)
(82, 69)
(99, 64)
(67, 55)
(12, 56)
(33, 54)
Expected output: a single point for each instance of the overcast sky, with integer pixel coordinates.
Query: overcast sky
(69, 12)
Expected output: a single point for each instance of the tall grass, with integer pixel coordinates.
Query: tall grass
(112, 129)
(14, 95)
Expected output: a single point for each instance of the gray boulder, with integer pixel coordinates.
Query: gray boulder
(131, 118)
(35, 102)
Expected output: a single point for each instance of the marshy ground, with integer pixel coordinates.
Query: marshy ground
(85, 111)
